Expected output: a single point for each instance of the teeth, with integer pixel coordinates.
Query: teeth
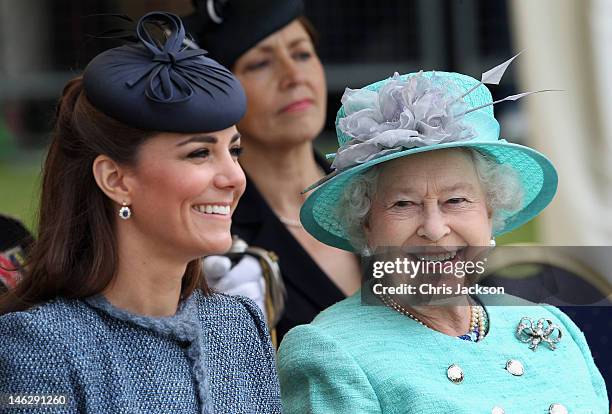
(438, 257)
(212, 209)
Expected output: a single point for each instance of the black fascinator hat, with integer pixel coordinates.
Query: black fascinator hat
(228, 28)
(164, 86)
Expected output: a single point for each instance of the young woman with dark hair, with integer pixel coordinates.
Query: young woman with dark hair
(75, 214)
(140, 181)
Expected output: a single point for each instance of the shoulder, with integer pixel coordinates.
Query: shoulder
(232, 315)
(570, 331)
(342, 318)
(35, 347)
(348, 307)
(336, 329)
(509, 310)
(304, 345)
(512, 308)
(319, 375)
(307, 350)
(49, 319)
(240, 307)
(53, 330)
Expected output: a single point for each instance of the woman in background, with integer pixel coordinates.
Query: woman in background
(269, 46)
(140, 181)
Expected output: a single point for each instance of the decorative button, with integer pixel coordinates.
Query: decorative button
(497, 410)
(455, 374)
(515, 367)
(557, 408)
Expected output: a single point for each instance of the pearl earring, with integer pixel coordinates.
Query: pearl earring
(125, 212)
(492, 243)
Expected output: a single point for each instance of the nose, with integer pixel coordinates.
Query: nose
(434, 225)
(230, 175)
(291, 73)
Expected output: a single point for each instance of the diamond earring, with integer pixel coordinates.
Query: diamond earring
(125, 212)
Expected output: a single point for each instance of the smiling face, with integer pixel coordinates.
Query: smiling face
(431, 199)
(184, 188)
(285, 87)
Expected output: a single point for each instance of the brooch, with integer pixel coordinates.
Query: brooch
(544, 331)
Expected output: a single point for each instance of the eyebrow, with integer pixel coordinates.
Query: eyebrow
(208, 139)
(449, 189)
(294, 43)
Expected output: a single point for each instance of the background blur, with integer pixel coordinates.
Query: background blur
(45, 43)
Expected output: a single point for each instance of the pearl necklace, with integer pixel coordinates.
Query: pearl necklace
(477, 318)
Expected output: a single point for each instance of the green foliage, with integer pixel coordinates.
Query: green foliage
(19, 190)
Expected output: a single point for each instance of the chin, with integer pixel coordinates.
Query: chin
(220, 246)
(305, 133)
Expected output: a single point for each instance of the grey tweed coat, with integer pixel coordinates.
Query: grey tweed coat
(213, 356)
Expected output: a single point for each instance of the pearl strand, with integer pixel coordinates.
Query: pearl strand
(478, 321)
(476, 318)
(394, 305)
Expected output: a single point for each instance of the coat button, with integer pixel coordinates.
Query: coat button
(497, 410)
(455, 373)
(515, 367)
(557, 408)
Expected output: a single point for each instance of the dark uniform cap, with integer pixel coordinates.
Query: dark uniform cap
(228, 28)
(171, 88)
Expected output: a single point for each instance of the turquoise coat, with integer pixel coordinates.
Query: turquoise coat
(355, 358)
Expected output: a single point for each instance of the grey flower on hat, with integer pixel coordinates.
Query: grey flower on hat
(404, 113)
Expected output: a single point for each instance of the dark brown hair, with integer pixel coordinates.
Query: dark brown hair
(76, 254)
(310, 29)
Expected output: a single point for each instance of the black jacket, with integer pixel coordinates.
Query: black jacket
(309, 290)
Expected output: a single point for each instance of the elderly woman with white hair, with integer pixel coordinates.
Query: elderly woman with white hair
(421, 167)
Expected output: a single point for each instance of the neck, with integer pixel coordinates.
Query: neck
(281, 174)
(450, 320)
(148, 281)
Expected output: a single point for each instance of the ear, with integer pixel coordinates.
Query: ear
(110, 177)
(367, 230)
(490, 219)
(366, 226)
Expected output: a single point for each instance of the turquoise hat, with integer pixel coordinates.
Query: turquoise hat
(414, 113)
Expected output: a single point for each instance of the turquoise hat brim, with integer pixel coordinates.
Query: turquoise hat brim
(319, 214)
